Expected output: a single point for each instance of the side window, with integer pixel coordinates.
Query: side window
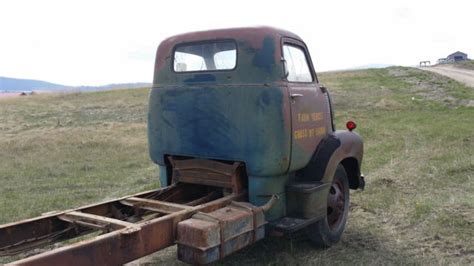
(296, 64)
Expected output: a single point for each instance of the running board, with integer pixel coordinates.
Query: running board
(289, 225)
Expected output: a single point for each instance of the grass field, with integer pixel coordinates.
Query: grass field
(465, 64)
(63, 151)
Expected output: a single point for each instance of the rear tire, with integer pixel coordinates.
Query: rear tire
(328, 230)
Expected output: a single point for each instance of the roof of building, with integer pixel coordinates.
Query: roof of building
(458, 52)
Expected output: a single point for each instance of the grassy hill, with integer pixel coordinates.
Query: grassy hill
(63, 151)
(465, 64)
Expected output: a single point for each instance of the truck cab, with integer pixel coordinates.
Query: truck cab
(243, 134)
(250, 97)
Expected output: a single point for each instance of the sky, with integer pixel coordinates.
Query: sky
(82, 42)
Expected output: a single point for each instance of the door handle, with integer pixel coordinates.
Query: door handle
(296, 95)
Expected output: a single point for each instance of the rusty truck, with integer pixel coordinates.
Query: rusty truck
(244, 136)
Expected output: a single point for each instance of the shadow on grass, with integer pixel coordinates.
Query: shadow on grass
(355, 247)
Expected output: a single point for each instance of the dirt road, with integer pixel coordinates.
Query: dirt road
(462, 75)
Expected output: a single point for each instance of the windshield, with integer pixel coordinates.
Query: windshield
(205, 56)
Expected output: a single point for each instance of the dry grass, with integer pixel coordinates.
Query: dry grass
(469, 64)
(64, 151)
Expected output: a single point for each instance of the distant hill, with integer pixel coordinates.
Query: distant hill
(19, 85)
(113, 86)
(370, 66)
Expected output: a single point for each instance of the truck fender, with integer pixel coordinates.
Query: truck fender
(340, 147)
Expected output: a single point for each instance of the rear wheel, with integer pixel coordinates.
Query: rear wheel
(328, 231)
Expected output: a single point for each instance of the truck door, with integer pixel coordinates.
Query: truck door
(310, 112)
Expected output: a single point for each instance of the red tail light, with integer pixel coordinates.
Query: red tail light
(351, 125)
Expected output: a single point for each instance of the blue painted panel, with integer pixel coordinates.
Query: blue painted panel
(163, 176)
(261, 189)
(238, 123)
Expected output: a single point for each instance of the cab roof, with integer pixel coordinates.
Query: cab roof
(246, 33)
(259, 56)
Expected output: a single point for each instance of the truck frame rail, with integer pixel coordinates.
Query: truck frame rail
(116, 231)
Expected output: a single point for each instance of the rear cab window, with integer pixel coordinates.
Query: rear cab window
(205, 56)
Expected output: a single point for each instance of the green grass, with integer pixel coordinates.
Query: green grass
(469, 64)
(64, 151)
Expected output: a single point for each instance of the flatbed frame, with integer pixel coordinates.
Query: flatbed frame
(131, 227)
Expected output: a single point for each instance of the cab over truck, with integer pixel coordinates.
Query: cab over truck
(244, 136)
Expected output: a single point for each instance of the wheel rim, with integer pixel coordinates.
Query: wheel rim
(336, 200)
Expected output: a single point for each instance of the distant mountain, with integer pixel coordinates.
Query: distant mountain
(20, 85)
(117, 86)
(369, 66)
